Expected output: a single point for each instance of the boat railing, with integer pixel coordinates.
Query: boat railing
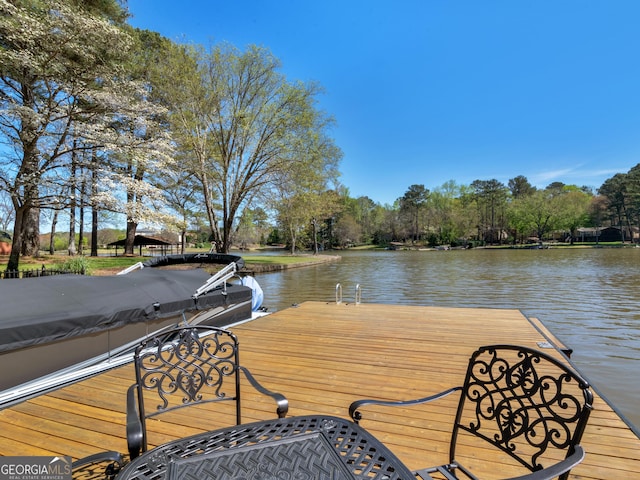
(219, 278)
(133, 267)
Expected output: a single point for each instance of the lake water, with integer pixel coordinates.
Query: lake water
(589, 298)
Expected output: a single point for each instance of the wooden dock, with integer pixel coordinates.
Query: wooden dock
(323, 357)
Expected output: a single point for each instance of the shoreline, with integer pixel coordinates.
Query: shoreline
(253, 263)
(252, 266)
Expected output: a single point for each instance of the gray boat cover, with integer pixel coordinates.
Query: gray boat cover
(45, 309)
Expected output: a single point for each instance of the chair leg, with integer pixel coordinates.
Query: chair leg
(423, 474)
(447, 471)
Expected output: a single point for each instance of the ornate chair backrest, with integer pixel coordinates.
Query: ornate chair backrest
(524, 402)
(186, 366)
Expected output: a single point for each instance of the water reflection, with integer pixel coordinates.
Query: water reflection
(587, 297)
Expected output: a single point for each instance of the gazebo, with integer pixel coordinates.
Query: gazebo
(144, 241)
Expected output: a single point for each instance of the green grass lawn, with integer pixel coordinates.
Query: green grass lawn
(77, 263)
(106, 264)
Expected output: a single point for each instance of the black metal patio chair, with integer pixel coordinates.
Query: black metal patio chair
(185, 367)
(101, 466)
(525, 403)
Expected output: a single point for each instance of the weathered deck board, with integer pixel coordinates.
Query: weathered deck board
(322, 357)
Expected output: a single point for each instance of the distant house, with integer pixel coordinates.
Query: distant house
(5, 243)
(607, 234)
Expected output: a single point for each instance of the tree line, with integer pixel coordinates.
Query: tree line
(486, 212)
(102, 120)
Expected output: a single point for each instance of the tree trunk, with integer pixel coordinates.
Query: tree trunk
(72, 206)
(81, 231)
(293, 244)
(52, 246)
(314, 225)
(83, 197)
(211, 216)
(31, 232)
(226, 237)
(131, 237)
(94, 232)
(16, 245)
(72, 230)
(83, 186)
(94, 207)
(26, 239)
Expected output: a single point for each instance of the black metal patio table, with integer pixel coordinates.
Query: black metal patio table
(297, 448)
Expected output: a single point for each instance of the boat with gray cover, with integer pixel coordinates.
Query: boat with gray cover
(51, 327)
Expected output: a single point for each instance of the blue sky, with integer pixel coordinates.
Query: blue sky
(427, 91)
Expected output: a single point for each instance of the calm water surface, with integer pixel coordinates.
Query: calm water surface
(589, 298)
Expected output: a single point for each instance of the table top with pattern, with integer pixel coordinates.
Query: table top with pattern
(307, 447)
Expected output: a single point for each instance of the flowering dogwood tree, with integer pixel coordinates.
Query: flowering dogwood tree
(64, 90)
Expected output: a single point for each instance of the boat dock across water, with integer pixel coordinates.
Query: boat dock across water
(322, 356)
